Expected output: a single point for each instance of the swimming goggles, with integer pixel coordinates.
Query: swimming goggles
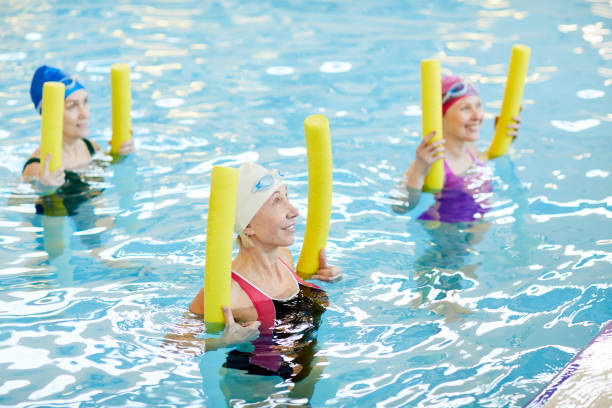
(265, 182)
(457, 90)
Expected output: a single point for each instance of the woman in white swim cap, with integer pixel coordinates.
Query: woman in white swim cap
(269, 301)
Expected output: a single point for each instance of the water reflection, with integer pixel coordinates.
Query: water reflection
(442, 269)
(230, 379)
(452, 250)
(73, 217)
(239, 388)
(111, 356)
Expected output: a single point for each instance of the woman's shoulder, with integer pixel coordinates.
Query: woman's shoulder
(35, 154)
(32, 164)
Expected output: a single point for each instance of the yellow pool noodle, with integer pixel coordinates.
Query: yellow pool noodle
(121, 105)
(219, 240)
(519, 60)
(52, 124)
(431, 105)
(318, 146)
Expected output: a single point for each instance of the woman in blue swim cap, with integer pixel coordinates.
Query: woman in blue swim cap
(77, 149)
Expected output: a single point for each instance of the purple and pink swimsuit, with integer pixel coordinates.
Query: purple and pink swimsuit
(463, 198)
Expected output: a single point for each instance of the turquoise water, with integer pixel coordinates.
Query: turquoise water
(456, 316)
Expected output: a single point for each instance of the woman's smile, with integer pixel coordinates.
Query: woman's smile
(290, 228)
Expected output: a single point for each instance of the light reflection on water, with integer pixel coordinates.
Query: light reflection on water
(427, 315)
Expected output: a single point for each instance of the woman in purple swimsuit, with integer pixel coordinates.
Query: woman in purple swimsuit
(457, 212)
(467, 186)
(270, 305)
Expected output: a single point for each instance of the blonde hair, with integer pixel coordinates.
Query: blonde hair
(244, 241)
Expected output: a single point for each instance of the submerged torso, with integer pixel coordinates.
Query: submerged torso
(69, 196)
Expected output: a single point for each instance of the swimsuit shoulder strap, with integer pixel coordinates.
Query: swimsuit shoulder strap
(263, 304)
(295, 275)
(447, 170)
(265, 353)
(474, 158)
(30, 161)
(90, 146)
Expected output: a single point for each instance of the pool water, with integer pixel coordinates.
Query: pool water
(450, 315)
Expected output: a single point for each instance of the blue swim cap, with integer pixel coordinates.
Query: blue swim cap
(46, 73)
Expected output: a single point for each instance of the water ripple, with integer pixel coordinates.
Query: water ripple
(426, 315)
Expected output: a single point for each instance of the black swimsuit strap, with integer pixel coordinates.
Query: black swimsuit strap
(90, 148)
(30, 161)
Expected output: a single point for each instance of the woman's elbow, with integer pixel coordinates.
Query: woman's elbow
(197, 304)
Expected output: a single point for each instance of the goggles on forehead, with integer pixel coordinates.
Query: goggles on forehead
(265, 182)
(457, 90)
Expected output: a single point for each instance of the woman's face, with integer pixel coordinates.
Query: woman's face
(76, 115)
(274, 223)
(463, 119)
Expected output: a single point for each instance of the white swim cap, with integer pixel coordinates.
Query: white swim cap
(255, 186)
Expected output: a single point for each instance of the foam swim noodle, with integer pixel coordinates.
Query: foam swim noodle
(318, 146)
(52, 124)
(431, 105)
(121, 105)
(219, 240)
(511, 104)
